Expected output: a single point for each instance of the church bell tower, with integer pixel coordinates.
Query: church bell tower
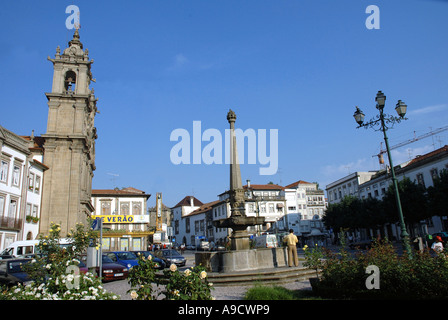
(69, 140)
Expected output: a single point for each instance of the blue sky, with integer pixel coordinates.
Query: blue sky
(296, 66)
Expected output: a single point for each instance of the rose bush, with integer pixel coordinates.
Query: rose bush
(173, 284)
(56, 274)
(400, 277)
(190, 284)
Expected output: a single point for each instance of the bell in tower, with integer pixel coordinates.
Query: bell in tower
(69, 140)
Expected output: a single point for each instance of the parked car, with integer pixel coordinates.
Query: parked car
(110, 269)
(12, 273)
(171, 256)
(366, 244)
(125, 258)
(266, 241)
(160, 264)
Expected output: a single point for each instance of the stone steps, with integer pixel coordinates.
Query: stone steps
(265, 276)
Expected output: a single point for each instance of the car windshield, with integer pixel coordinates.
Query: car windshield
(171, 253)
(106, 259)
(143, 253)
(16, 266)
(126, 256)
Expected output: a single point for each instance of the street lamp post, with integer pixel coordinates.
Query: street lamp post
(385, 122)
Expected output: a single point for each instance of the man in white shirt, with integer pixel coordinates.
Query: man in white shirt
(437, 246)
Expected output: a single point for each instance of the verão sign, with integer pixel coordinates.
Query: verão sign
(124, 218)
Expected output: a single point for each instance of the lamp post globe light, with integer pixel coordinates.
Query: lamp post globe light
(385, 122)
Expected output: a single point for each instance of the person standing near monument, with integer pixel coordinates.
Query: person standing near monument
(291, 241)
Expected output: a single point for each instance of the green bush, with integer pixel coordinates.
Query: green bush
(56, 275)
(191, 284)
(422, 276)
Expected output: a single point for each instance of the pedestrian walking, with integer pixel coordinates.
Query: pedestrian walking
(291, 241)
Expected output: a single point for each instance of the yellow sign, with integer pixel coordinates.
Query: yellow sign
(124, 218)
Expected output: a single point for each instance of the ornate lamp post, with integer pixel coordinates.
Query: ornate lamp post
(385, 122)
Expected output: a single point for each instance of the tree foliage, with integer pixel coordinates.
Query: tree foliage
(438, 195)
(417, 204)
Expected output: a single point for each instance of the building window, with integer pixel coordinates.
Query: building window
(4, 171)
(124, 208)
(434, 174)
(12, 209)
(105, 207)
(35, 211)
(176, 227)
(37, 185)
(271, 208)
(16, 175)
(28, 209)
(187, 225)
(2, 205)
(420, 179)
(31, 182)
(136, 208)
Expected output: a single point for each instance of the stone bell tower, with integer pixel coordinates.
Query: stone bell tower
(69, 140)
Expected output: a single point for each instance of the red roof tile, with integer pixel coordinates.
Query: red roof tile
(132, 192)
(296, 184)
(264, 187)
(185, 202)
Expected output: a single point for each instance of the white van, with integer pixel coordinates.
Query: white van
(20, 248)
(266, 241)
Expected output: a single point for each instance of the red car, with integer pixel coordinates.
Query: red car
(110, 270)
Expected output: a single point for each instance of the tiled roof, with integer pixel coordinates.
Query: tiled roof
(428, 155)
(130, 192)
(38, 141)
(264, 187)
(204, 208)
(296, 184)
(185, 202)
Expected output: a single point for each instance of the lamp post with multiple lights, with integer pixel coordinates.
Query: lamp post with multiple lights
(385, 122)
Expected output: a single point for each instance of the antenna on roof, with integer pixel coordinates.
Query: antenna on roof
(114, 178)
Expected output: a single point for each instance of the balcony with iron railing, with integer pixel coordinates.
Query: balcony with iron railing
(250, 197)
(10, 223)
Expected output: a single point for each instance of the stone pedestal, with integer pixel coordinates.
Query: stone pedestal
(242, 260)
(239, 240)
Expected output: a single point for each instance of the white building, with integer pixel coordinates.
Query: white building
(183, 231)
(422, 170)
(268, 201)
(221, 210)
(374, 184)
(21, 177)
(125, 218)
(347, 186)
(305, 206)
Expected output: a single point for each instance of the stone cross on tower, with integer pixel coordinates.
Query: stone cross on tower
(238, 221)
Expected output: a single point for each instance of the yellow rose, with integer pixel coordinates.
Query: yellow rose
(173, 267)
(203, 275)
